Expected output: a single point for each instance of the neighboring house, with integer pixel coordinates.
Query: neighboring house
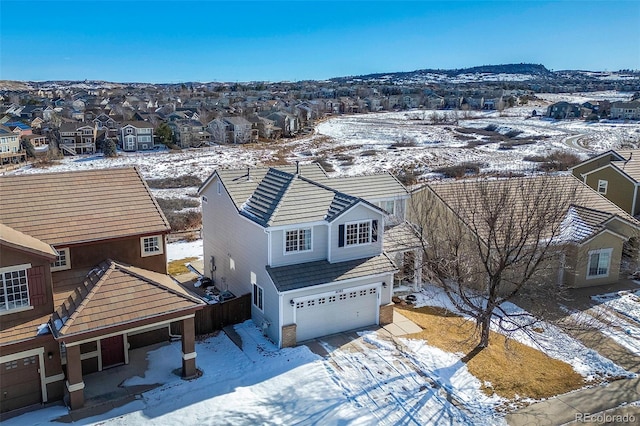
(289, 123)
(310, 254)
(593, 229)
(78, 138)
(625, 110)
(19, 128)
(10, 149)
(562, 110)
(189, 133)
(136, 136)
(83, 278)
(616, 175)
(232, 130)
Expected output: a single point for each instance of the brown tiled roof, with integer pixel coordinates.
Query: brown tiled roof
(401, 238)
(18, 331)
(9, 237)
(113, 294)
(80, 206)
(465, 198)
(631, 167)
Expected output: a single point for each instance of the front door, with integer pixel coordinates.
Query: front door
(112, 350)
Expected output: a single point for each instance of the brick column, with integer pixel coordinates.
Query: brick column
(188, 348)
(75, 385)
(289, 336)
(386, 314)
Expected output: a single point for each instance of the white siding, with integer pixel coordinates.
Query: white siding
(358, 213)
(238, 246)
(319, 237)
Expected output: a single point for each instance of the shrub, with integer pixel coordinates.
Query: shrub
(183, 181)
(491, 128)
(559, 160)
(181, 221)
(176, 204)
(459, 170)
(513, 133)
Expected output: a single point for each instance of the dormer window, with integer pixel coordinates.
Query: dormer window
(358, 233)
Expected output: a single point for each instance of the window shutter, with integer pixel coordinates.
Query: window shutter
(374, 230)
(341, 236)
(37, 290)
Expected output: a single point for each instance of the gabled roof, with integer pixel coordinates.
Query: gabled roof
(9, 237)
(630, 164)
(613, 154)
(303, 191)
(80, 206)
(302, 275)
(138, 124)
(113, 294)
(282, 198)
(587, 212)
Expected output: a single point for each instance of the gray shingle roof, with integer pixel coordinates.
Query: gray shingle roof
(293, 277)
(282, 198)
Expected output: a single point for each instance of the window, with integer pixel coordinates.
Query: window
(62, 262)
(599, 262)
(258, 297)
(297, 240)
(204, 199)
(14, 287)
(151, 245)
(358, 233)
(602, 186)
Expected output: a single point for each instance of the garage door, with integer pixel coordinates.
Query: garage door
(328, 314)
(20, 383)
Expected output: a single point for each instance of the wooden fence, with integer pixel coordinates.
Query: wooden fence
(214, 317)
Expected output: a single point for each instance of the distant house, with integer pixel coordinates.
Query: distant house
(10, 149)
(616, 175)
(136, 136)
(83, 282)
(564, 110)
(232, 130)
(625, 110)
(189, 133)
(78, 138)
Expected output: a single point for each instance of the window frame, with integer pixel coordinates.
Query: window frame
(297, 249)
(359, 223)
(257, 297)
(56, 266)
(604, 184)
(3, 286)
(144, 253)
(599, 252)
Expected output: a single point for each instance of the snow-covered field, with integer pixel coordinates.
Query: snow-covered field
(265, 385)
(393, 141)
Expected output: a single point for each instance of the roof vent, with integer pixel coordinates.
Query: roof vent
(297, 168)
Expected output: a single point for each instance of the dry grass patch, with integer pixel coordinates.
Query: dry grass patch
(512, 369)
(177, 267)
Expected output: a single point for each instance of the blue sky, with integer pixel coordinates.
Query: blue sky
(171, 41)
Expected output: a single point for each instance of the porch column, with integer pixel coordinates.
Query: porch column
(188, 348)
(75, 385)
(417, 267)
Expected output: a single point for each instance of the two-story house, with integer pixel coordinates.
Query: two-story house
(136, 136)
(616, 175)
(10, 149)
(78, 138)
(625, 110)
(82, 282)
(310, 254)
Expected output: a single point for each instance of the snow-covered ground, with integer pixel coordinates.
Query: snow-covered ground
(184, 249)
(265, 385)
(392, 141)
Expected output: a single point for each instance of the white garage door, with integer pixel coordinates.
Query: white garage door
(328, 314)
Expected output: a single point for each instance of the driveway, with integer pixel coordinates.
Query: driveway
(376, 371)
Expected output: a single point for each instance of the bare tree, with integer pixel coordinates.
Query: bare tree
(486, 241)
